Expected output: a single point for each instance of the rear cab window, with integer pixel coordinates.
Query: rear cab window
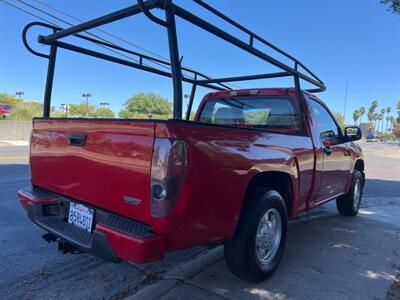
(271, 113)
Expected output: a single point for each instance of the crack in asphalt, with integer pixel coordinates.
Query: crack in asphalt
(394, 289)
(147, 279)
(39, 279)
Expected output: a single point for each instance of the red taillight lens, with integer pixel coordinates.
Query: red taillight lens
(168, 170)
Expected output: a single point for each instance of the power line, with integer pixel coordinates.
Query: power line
(70, 24)
(44, 12)
(89, 33)
(94, 35)
(28, 12)
(101, 30)
(54, 24)
(42, 2)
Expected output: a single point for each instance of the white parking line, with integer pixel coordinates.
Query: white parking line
(14, 143)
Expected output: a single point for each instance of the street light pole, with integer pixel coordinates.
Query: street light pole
(87, 95)
(65, 107)
(345, 102)
(19, 94)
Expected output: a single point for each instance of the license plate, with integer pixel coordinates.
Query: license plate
(81, 216)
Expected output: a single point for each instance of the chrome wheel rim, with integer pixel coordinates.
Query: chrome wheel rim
(357, 195)
(269, 234)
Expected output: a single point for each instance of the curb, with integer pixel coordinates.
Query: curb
(178, 275)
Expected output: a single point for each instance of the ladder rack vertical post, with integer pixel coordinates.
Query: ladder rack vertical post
(49, 81)
(192, 93)
(300, 101)
(176, 71)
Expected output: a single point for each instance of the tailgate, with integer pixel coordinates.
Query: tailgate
(105, 163)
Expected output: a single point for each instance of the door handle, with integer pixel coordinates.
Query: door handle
(327, 150)
(76, 139)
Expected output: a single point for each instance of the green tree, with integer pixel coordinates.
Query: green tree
(104, 112)
(257, 117)
(340, 119)
(398, 112)
(146, 104)
(396, 130)
(9, 99)
(394, 5)
(81, 110)
(22, 110)
(25, 111)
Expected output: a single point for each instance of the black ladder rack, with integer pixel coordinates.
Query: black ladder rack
(174, 64)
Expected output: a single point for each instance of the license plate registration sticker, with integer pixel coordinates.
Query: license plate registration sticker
(81, 216)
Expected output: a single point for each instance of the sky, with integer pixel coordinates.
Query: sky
(344, 42)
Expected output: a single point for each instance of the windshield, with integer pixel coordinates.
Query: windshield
(257, 112)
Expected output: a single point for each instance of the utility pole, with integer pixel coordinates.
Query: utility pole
(86, 96)
(345, 102)
(19, 94)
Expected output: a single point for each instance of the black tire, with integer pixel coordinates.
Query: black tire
(240, 252)
(347, 205)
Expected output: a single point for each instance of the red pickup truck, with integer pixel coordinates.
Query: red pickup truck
(5, 110)
(132, 190)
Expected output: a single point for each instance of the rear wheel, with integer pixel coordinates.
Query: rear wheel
(349, 204)
(255, 251)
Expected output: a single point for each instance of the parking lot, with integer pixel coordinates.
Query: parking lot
(328, 256)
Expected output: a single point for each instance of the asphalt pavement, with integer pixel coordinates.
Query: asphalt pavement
(328, 256)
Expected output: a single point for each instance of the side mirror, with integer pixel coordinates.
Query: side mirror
(352, 133)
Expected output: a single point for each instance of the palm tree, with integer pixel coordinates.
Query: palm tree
(375, 120)
(371, 111)
(381, 115)
(392, 121)
(370, 116)
(388, 110)
(398, 112)
(362, 112)
(356, 116)
(387, 122)
(340, 119)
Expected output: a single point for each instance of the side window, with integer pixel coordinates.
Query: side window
(326, 124)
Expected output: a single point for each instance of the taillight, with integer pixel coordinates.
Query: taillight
(168, 170)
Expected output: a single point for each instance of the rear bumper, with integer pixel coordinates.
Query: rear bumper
(114, 238)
